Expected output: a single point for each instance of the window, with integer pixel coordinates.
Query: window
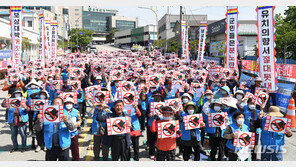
(125, 25)
(173, 24)
(30, 24)
(76, 13)
(76, 9)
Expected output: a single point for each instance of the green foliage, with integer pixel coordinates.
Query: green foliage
(220, 47)
(174, 47)
(60, 45)
(193, 47)
(111, 34)
(25, 43)
(84, 38)
(158, 43)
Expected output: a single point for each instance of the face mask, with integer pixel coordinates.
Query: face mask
(240, 121)
(224, 92)
(17, 95)
(116, 84)
(239, 97)
(252, 107)
(69, 106)
(166, 118)
(208, 97)
(42, 96)
(185, 100)
(217, 108)
(50, 79)
(33, 86)
(190, 112)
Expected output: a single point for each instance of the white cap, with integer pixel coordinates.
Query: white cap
(69, 99)
(186, 95)
(99, 77)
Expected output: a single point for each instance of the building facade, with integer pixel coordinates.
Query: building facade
(141, 36)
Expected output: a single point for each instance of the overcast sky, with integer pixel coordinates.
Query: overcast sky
(146, 16)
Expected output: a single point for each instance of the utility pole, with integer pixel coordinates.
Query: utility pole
(166, 40)
(180, 30)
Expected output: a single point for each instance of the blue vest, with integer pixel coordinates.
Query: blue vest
(81, 99)
(64, 134)
(186, 134)
(271, 139)
(135, 121)
(29, 92)
(211, 130)
(234, 128)
(23, 114)
(171, 94)
(73, 113)
(95, 124)
(248, 115)
(65, 76)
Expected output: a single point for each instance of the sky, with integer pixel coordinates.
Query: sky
(146, 17)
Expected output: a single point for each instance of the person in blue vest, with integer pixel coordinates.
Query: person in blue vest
(190, 138)
(99, 131)
(272, 142)
(241, 99)
(120, 144)
(251, 115)
(217, 143)
(76, 119)
(57, 136)
(43, 95)
(17, 120)
(135, 133)
(65, 74)
(32, 87)
(168, 91)
(229, 134)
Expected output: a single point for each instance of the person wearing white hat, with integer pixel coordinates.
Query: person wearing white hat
(185, 98)
(76, 119)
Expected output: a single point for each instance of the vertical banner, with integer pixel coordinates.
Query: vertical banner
(266, 46)
(16, 23)
(183, 36)
(231, 37)
(48, 39)
(41, 38)
(187, 46)
(54, 38)
(202, 40)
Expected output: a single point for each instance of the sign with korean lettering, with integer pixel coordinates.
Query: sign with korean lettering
(202, 40)
(37, 104)
(244, 139)
(156, 107)
(167, 129)
(276, 124)
(266, 46)
(231, 37)
(192, 121)
(42, 38)
(16, 22)
(183, 36)
(54, 38)
(48, 39)
(117, 125)
(15, 102)
(217, 119)
(101, 97)
(52, 113)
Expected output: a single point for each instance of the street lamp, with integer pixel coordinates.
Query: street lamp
(154, 11)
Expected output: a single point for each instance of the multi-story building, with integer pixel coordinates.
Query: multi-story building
(101, 21)
(141, 36)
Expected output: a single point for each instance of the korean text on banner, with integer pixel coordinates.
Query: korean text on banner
(42, 53)
(16, 23)
(202, 40)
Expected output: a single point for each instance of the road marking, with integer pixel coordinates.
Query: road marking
(85, 131)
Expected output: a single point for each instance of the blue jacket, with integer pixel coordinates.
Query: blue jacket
(211, 130)
(29, 92)
(74, 114)
(234, 128)
(95, 124)
(64, 134)
(135, 121)
(271, 139)
(186, 133)
(248, 115)
(23, 113)
(171, 94)
(65, 76)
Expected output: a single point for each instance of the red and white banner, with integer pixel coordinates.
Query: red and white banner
(53, 84)
(101, 97)
(118, 125)
(217, 119)
(126, 86)
(276, 124)
(167, 129)
(54, 38)
(156, 107)
(187, 53)
(15, 102)
(42, 39)
(266, 46)
(37, 104)
(48, 39)
(75, 84)
(117, 74)
(261, 98)
(72, 95)
(128, 98)
(16, 23)
(192, 121)
(183, 37)
(75, 72)
(175, 104)
(202, 40)
(244, 139)
(52, 113)
(231, 37)
(286, 72)
(215, 73)
(89, 91)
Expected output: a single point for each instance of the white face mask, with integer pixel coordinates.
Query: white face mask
(33, 86)
(208, 97)
(239, 97)
(50, 79)
(217, 108)
(240, 121)
(18, 95)
(190, 112)
(69, 106)
(252, 107)
(42, 96)
(185, 100)
(166, 118)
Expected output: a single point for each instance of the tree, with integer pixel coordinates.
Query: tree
(25, 43)
(220, 47)
(193, 47)
(174, 47)
(84, 38)
(286, 34)
(158, 43)
(109, 38)
(61, 44)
